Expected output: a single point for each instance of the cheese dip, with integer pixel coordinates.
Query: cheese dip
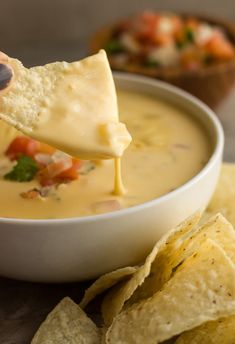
(169, 147)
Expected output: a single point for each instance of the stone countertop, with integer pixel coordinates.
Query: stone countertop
(24, 305)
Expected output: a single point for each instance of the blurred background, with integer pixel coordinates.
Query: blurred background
(41, 31)
(38, 31)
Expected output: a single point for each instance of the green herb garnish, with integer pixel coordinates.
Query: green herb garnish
(180, 44)
(208, 59)
(151, 63)
(189, 35)
(24, 171)
(114, 47)
(188, 38)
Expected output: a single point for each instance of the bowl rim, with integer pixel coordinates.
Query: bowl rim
(217, 151)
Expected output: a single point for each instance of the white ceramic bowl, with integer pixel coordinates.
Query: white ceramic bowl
(81, 248)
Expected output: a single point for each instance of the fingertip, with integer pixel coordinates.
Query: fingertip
(3, 57)
(6, 76)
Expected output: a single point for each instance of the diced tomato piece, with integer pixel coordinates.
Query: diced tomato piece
(31, 194)
(51, 171)
(46, 149)
(47, 182)
(57, 172)
(72, 172)
(146, 25)
(192, 59)
(125, 25)
(219, 47)
(163, 39)
(151, 26)
(177, 24)
(22, 146)
(192, 24)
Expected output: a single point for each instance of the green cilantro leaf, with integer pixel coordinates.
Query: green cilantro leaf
(113, 46)
(188, 38)
(150, 63)
(24, 171)
(189, 34)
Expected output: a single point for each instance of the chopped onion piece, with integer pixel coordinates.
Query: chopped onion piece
(165, 56)
(129, 42)
(44, 159)
(166, 26)
(57, 168)
(204, 33)
(60, 156)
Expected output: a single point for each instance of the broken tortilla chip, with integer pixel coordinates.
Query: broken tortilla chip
(105, 282)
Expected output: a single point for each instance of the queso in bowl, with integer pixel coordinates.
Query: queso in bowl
(168, 148)
(170, 170)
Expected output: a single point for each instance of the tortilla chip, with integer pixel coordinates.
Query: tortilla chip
(67, 324)
(105, 282)
(214, 332)
(117, 296)
(223, 200)
(217, 228)
(203, 289)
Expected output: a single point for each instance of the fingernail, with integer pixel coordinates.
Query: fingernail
(6, 74)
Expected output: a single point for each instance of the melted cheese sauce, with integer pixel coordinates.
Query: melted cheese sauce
(169, 147)
(98, 135)
(119, 189)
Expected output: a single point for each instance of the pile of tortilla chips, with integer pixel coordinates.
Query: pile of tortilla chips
(184, 291)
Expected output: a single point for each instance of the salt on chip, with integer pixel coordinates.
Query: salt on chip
(105, 282)
(116, 298)
(67, 324)
(221, 331)
(203, 289)
(216, 228)
(223, 200)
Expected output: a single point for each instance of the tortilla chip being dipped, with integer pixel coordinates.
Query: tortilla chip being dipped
(70, 106)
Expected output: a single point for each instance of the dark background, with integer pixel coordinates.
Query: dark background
(39, 31)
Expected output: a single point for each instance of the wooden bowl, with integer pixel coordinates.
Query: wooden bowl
(211, 83)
